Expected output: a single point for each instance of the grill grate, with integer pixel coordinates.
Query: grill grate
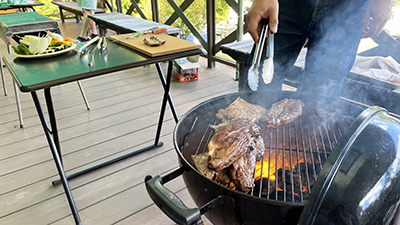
(294, 155)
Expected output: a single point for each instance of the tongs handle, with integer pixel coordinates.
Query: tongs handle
(83, 49)
(270, 44)
(260, 44)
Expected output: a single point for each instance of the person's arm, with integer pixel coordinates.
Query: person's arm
(262, 9)
(376, 15)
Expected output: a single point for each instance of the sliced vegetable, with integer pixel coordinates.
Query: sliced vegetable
(17, 50)
(55, 36)
(34, 47)
(28, 39)
(24, 49)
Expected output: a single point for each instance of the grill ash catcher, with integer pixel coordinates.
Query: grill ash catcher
(351, 177)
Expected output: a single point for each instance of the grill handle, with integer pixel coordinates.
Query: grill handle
(172, 206)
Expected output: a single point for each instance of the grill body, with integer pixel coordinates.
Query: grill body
(223, 205)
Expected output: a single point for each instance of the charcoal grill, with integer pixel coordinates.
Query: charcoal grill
(326, 164)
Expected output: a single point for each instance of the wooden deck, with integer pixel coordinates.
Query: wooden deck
(123, 116)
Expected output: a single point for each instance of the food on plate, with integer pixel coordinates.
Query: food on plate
(21, 49)
(34, 45)
(153, 41)
(241, 109)
(283, 112)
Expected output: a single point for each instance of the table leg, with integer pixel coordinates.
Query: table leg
(52, 117)
(166, 84)
(18, 102)
(3, 77)
(171, 104)
(57, 158)
(164, 102)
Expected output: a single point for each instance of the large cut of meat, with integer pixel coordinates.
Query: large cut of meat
(241, 109)
(241, 171)
(231, 140)
(200, 161)
(283, 112)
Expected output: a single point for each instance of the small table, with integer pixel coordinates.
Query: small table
(42, 74)
(23, 6)
(122, 23)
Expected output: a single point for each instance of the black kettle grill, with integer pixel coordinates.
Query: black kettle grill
(351, 175)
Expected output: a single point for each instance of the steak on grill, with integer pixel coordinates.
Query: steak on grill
(241, 109)
(241, 171)
(283, 112)
(231, 140)
(200, 161)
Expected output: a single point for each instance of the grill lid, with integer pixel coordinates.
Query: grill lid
(359, 183)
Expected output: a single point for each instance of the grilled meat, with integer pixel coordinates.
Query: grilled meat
(230, 141)
(241, 109)
(200, 161)
(283, 112)
(241, 171)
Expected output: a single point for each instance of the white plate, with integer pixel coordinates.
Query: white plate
(44, 55)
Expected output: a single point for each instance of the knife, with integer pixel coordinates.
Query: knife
(150, 31)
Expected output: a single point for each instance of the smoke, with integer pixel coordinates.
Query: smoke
(331, 32)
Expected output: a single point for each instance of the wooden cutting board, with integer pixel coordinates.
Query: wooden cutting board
(172, 44)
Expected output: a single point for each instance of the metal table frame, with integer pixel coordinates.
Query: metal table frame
(16, 66)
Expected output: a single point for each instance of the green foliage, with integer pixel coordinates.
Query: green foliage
(48, 8)
(196, 13)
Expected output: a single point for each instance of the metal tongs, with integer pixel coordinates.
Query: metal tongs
(84, 49)
(268, 67)
(102, 44)
(253, 73)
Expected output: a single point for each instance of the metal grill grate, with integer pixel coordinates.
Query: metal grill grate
(294, 155)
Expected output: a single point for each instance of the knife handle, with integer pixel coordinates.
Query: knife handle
(159, 31)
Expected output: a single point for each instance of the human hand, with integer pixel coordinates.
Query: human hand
(376, 15)
(262, 9)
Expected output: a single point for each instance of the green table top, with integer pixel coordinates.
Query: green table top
(22, 18)
(36, 74)
(5, 6)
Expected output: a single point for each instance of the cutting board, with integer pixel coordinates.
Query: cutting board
(172, 44)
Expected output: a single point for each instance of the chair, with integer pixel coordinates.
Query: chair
(10, 30)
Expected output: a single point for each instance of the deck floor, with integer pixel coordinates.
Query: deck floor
(123, 116)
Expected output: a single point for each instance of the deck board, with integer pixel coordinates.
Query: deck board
(123, 116)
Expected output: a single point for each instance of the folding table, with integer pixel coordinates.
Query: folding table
(46, 73)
